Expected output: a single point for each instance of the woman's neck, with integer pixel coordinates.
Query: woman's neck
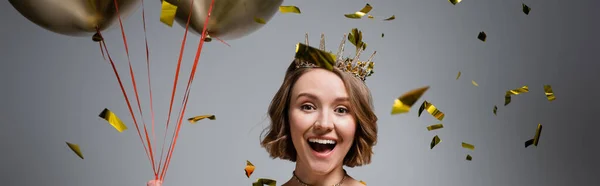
(307, 176)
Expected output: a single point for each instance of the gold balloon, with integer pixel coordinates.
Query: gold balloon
(229, 19)
(74, 17)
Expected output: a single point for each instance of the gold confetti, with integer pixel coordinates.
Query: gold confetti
(432, 110)
(549, 92)
(390, 18)
(198, 118)
(320, 58)
(249, 169)
(507, 97)
(167, 13)
(469, 158)
(474, 83)
(495, 109)
(370, 17)
(434, 127)
(538, 132)
(289, 9)
(264, 181)
(364, 183)
(357, 15)
(482, 36)
(526, 9)
(468, 146)
(113, 120)
(260, 20)
(355, 37)
(454, 2)
(528, 143)
(458, 76)
(436, 140)
(75, 148)
(382, 35)
(407, 100)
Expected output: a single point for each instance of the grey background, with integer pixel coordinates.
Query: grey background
(54, 87)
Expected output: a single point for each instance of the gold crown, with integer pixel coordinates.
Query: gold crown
(309, 57)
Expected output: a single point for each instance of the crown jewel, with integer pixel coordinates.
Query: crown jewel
(309, 57)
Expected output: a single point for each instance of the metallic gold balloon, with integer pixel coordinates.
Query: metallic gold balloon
(74, 17)
(229, 19)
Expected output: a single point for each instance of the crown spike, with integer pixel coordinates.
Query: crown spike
(322, 45)
(355, 60)
(306, 39)
(372, 55)
(341, 48)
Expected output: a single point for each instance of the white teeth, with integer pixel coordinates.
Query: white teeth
(321, 141)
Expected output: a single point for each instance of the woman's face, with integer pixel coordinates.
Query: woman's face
(321, 123)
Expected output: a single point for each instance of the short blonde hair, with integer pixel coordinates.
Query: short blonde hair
(278, 141)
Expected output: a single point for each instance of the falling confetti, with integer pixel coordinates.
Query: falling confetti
(436, 140)
(536, 138)
(507, 97)
(549, 93)
(113, 120)
(382, 35)
(434, 127)
(407, 100)
(259, 20)
(469, 158)
(371, 17)
(454, 2)
(468, 146)
(249, 169)
(198, 118)
(458, 76)
(167, 13)
(495, 109)
(474, 83)
(390, 18)
(75, 148)
(526, 9)
(364, 183)
(289, 9)
(432, 110)
(357, 15)
(528, 143)
(355, 37)
(482, 36)
(264, 181)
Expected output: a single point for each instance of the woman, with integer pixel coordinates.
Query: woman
(322, 117)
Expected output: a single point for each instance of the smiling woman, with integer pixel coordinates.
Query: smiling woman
(322, 118)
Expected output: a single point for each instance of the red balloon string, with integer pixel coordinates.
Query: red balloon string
(187, 91)
(135, 87)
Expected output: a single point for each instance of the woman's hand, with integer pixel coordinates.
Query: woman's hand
(154, 183)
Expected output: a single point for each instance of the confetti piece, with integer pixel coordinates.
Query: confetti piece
(549, 92)
(113, 120)
(407, 100)
(528, 143)
(355, 37)
(526, 9)
(259, 20)
(495, 109)
(454, 2)
(75, 148)
(264, 181)
(432, 110)
(434, 127)
(249, 169)
(507, 97)
(167, 13)
(382, 35)
(436, 140)
(482, 36)
(357, 15)
(474, 83)
(289, 9)
(370, 17)
(469, 158)
(538, 132)
(390, 18)
(468, 146)
(198, 118)
(363, 182)
(458, 76)
(320, 58)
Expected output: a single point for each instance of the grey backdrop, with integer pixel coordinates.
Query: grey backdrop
(54, 87)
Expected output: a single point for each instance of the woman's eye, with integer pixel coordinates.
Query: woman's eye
(307, 107)
(341, 110)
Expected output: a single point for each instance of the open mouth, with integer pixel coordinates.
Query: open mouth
(322, 145)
